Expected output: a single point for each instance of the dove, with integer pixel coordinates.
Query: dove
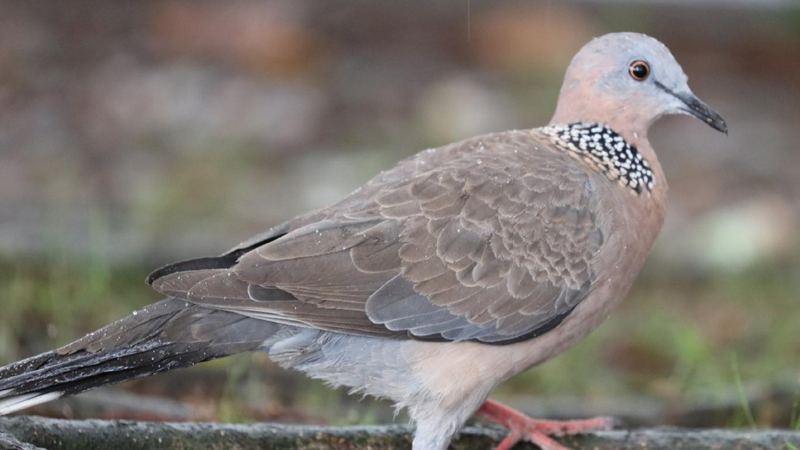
(440, 278)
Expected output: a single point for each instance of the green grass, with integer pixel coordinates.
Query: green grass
(748, 413)
(794, 423)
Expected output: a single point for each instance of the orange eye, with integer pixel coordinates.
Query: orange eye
(639, 70)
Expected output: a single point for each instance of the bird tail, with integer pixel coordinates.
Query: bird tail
(167, 335)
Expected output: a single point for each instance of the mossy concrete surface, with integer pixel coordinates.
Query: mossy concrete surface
(31, 433)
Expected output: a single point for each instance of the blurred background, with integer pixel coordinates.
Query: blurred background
(136, 133)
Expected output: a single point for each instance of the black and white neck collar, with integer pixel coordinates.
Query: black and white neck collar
(605, 150)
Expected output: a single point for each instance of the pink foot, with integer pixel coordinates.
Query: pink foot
(523, 428)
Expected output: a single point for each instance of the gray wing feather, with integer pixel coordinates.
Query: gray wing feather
(489, 240)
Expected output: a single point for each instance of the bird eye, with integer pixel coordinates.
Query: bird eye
(639, 70)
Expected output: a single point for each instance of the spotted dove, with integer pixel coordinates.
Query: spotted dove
(440, 278)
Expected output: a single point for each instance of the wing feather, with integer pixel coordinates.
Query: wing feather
(491, 240)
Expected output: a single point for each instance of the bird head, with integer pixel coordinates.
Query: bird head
(628, 80)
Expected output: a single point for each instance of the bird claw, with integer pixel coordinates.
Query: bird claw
(539, 432)
(537, 438)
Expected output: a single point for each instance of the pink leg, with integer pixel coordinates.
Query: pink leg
(521, 427)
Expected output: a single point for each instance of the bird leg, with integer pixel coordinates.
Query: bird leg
(521, 427)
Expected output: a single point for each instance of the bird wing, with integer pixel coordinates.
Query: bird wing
(491, 239)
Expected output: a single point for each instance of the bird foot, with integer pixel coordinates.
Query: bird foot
(538, 432)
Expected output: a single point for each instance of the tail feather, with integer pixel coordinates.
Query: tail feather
(20, 402)
(167, 335)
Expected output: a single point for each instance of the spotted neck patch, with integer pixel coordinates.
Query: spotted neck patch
(606, 151)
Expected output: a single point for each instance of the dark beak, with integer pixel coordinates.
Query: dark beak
(696, 107)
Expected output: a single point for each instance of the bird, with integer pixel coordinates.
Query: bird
(437, 280)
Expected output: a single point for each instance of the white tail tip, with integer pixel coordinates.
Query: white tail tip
(19, 402)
